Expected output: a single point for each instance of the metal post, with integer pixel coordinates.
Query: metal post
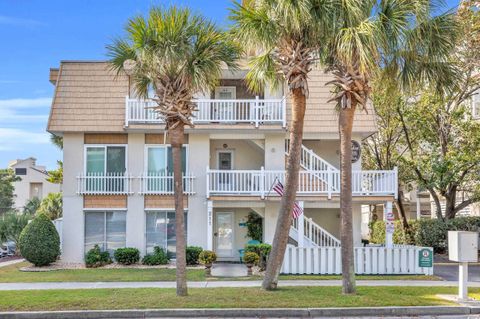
(387, 217)
(209, 225)
(463, 281)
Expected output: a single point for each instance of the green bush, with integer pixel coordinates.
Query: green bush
(97, 258)
(251, 258)
(39, 242)
(159, 257)
(193, 252)
(207, 257)
(127, 256)
(254, 226)
(262, 250)
(425, 232)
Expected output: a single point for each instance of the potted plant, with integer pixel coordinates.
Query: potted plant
(250, 259)
(207, 258)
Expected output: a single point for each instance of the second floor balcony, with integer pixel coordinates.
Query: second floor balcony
(215, 111)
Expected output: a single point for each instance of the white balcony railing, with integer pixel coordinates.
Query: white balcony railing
(255, 111)
(260, 182)
(103, 184)
(161, 184)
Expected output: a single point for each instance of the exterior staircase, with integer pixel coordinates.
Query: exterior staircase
(313, 234)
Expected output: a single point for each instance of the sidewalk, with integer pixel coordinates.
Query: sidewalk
(220, 284)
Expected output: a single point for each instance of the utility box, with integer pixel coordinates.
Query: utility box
(463, 246)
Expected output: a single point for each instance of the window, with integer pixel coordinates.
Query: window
(476, 105)
(160, 230)
(109, 164)
(20, 171)
(159, 164)
(106, 229)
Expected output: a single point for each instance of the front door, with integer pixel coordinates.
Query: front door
(224, 235)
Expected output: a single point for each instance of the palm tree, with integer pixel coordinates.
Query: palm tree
(287, 37)
(178, 54)
(397, 39)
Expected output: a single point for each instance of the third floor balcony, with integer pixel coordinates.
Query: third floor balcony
(257, 112)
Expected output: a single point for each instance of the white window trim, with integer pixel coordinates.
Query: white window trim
(232, 213)
(166, 210)
(148, 146)
(104, 211)
(86, 146)
(231, 151)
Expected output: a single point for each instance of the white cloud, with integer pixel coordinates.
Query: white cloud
(12, 21)
(17, 139)
(25, 103)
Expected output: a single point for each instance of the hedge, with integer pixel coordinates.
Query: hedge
(424, 232)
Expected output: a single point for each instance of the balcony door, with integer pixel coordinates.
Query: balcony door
(224, 110)
(105, 166)
(160, 168)
(225, 163)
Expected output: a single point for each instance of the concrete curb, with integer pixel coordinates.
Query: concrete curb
(245, 312)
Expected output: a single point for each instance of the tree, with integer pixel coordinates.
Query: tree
(7, 196)
(287, 37)
(52, 206)
(384, 149)
(11, 226)
(32, 206)
(178, 54)
(402, 40)
(56, 176)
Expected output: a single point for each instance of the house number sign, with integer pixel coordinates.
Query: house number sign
(356, 151)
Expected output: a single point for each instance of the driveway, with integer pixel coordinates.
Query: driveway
(450, 272)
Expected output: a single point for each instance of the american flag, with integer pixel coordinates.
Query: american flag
(297, 210)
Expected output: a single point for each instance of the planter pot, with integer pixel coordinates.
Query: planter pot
(208, 269)
(249, 269)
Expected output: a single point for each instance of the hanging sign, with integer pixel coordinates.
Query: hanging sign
(356, 151)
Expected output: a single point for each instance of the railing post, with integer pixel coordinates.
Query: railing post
(257, 110)
(284, 112)
(126, 110)
(395, 181)
(301, 227)
(208, 182)
(262, 182)
(329, 183)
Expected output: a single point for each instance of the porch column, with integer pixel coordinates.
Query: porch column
(301, 227)
(389, 225)
(209, 225)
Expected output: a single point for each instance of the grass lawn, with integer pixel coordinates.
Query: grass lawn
(13, 274)
(284, 297)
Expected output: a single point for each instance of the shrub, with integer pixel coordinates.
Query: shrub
(207, 257)
(127, 256)
(254, 226)
(39, 242)
(97, 258)
(11, 226)
(159, 257)
(193, 252)
(251, 258)
(262, 250)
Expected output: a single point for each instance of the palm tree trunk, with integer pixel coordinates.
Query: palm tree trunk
(284, 220)
(176, 140)
(346, 225)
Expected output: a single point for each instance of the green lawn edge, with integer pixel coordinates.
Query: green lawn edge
(284, 297)
(12, 274)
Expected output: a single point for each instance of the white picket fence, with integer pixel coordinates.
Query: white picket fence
(368, 261)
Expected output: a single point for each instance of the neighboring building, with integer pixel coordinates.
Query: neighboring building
(33, 181)
(118, 166)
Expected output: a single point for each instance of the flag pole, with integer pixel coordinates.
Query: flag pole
(271, 186)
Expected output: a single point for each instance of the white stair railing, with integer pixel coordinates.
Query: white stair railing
(309, 160)
(314, 234)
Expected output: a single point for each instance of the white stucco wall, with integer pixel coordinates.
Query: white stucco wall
(245, 155)
(73, 216)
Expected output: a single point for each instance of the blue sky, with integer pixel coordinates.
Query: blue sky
(36, 35)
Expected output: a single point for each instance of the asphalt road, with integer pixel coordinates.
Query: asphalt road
(450, 272)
